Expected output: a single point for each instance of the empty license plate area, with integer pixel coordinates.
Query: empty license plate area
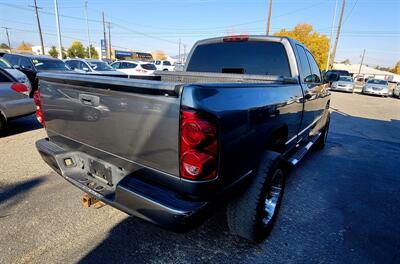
(100, 172)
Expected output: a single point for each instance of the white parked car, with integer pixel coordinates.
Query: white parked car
(164, 65)
(92, 66)
(17, 74)
(376, 87)
(137, 68)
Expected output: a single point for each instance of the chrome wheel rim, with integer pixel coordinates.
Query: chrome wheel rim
(273, 197)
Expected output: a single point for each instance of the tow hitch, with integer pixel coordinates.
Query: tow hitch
(88, 201)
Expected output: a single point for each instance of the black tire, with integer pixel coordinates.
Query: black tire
(321, 141)
(2, 124)
(247, 215)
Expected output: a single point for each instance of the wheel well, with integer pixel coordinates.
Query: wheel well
(277, 139)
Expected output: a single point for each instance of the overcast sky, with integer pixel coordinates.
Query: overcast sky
(148, 25)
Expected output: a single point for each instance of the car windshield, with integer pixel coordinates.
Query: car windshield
(375, 81)
(50, 65)
(250, 57)
(4, 64)
(100, 66)
(345, 79)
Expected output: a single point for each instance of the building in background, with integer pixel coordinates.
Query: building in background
(37, 50)
(367, 72)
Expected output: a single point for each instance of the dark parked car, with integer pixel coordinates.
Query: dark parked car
(32, 64)
(222, 131)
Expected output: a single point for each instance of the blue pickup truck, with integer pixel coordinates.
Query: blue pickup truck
(221, 133)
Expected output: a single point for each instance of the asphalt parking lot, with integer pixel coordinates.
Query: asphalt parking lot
(341, 205)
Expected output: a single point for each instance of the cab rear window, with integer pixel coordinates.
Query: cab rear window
(249, 57)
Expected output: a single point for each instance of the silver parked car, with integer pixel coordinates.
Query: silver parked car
(93, 66)
(14, 102)
(396, 91)
(376, 87)
(17, 74)
(345, 84)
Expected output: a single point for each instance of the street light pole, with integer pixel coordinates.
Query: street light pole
(269, 16)
(109, 39)
(88, 33)
(105, 37)
(58, 29)
(330, 37)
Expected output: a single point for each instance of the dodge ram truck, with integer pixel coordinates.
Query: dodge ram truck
(167, 150)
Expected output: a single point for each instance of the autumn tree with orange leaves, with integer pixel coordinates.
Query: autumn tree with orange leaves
(317, 43)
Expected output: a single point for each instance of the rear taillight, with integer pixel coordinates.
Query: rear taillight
(236, 38)
(19, 87)
(198, 147)
(39, 109)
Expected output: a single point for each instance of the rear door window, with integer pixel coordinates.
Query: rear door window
(167, 63)
(303, 61)
(148, 66)
(248, 57)
(314, 67)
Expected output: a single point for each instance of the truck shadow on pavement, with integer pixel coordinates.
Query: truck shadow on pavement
(12, 194)
(21, 125)
(339, 206)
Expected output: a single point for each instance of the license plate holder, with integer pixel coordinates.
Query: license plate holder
(100, 171)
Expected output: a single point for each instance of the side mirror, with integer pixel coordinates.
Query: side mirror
(85, 69)
(331, 77)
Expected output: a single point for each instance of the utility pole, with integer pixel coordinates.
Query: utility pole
(179, 56)
(8, 38)
(269, 16)
(58, 30)
(330, 37)
(338, 33)
(87, 25)
(39, 28)
(359, 69)
(109, 39)
(105, 38)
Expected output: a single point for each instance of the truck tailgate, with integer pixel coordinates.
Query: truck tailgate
(133, 120)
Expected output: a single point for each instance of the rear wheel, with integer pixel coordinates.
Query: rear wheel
(253, 214)
(321, 141)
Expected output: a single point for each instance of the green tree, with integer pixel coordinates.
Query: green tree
(317, 43)
(4, 46)
(76, 50)
(53, 52)
(93, 52)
